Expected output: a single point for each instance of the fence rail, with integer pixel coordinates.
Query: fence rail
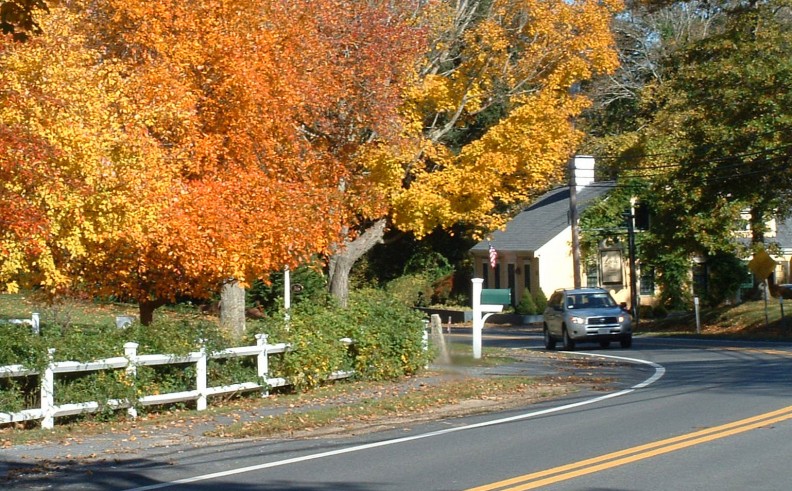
(48, 410)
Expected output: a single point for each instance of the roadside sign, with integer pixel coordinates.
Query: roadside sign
(762, 265)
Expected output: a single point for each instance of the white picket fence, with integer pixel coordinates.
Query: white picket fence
(129, 362)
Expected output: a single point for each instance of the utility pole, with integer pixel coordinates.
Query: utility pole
(631, 245)
(573, 218)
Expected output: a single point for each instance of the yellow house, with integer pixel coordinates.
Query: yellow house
(779, 233)
(534, 251)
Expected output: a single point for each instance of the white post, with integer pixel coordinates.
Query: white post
(478, 321)
(287, 292)
(35, 323)
(479, 315)
(48, 393)
(425, 338)
(130, 352)
(263, 362)
(698, 318)
(200, 379)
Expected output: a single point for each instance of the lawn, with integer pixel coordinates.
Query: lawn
(749, 320)
(79, 312)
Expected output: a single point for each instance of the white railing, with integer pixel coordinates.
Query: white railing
(130, 362)
(33, 322)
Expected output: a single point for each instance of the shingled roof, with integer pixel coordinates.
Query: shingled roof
(784, 234)
(542, 220)
(782, 237)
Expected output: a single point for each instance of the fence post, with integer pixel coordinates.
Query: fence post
(263, 363)
(130, 351)
(200, 378)
(48, 393)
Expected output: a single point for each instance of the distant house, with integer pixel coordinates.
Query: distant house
(782, 235)
(779, 234)
(534, 251)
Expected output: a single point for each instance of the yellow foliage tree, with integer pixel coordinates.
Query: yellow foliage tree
(488, 120)
(71, 102)
(196, 142)
(155, 167)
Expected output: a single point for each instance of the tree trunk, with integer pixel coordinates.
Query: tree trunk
(232, 307)
(146, 310)
(342, 261)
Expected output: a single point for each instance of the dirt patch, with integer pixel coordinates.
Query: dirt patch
(467, 407)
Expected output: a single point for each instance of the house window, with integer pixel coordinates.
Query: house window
(647, 282)
(497, 276)
(511, 280)
(485, 274)
(527, 276)
(592, 275)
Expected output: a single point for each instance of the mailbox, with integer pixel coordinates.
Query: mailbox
(496, 296)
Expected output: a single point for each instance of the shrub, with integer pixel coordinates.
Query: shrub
(177, 336)
(413, 290)
(20, 346)
(388, 336)
(526, 305)
(19, 393)
(540, 300)
(726, 273)
(314, 334)
(307, 285)
(431, 264)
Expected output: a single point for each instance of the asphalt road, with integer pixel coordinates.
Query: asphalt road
(685, 415)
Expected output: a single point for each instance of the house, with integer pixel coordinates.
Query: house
(779, 234)
(534, 251)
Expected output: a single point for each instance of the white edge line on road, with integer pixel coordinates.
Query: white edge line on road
(658, 373)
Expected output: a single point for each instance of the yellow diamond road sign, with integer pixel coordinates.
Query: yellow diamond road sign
(762, 265)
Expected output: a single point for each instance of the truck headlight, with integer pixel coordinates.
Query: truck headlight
(577, 320)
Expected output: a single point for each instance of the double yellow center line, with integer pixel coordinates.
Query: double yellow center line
(627, 456)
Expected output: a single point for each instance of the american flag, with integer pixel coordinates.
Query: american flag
(493, 256)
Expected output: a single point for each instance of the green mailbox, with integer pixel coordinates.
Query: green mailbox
(496, 296)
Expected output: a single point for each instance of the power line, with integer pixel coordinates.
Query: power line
(741, 169)
(672, 165)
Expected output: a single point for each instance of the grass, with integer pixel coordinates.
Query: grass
(748, 321)
(410, 404)
(79, 311)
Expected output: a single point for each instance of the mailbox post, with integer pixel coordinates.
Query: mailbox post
(483, 310)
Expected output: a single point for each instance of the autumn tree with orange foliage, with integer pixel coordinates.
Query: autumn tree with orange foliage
(198, 141)
(193, 142)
